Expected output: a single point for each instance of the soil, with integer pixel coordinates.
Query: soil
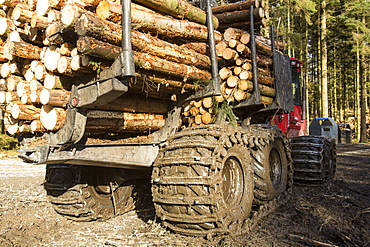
(334, 214)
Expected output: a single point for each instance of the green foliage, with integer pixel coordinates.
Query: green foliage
(8, 143)
(225, 114)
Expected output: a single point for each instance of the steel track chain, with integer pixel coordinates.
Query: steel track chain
(214, 133)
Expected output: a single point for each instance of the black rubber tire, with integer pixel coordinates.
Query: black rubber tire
(271, 160)
(202, 182)
(314, 159)
(85, 193)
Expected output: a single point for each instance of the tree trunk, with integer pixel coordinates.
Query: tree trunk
(25, 112)
(179, 9)
(52, 118)
(54, 97)
(236, 6)
(242, 15)
(21, 49)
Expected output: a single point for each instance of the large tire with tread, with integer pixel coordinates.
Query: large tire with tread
(88, 193)
(272, 163)
(314, 159)
(202, 181)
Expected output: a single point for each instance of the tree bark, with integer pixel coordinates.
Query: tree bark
(52, 118)
(54, 97)
(242, 15)
(25, 112)
(179, 9)
(21, 49)
(91, 46)
(236, 6)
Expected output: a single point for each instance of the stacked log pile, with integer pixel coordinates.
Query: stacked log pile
(44, 46)
(234, 49)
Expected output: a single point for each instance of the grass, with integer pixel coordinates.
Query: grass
(8, 145)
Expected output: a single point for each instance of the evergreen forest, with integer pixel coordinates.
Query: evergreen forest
(332, 38)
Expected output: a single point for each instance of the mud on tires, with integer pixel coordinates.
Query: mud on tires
(202, 181)
(314, 159)
(272, 162)
(86, 193)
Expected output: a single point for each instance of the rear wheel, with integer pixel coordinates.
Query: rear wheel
(202, 182)
(88, 193)
(314, 159)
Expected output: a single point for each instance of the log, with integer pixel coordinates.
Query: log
(91, 46)
(199, 47)
(6, 26)
(42, 7)
(236, 6)
(21, 14)
(236, 34)
(149, 62)
(2, 97)
(25, 112)
(54, 97)
(267, 91)
(269, 81)
(242, 15)
(123, 121)
(245, 85)
(179, 9)
(224, 73)
(21, 49)
(266, 100)
(51, 58)
(12, 82)
(10, 124)
(156, 47)
(107, 10)
(136, 103)
(147, 20)
(3, 85)
(142, 78)
(230, 54)
(207, 102)
(232, 81)
(11, 97)
(259, 23)
(69, 15)
(36, 126)
(35, 85)
(142, 19)
(220, 47)
(10, 3)
(239, 95)
(52, 118)
(245, 75)
(34, 97)
(22, 87)
(243, 50)
(51, 81)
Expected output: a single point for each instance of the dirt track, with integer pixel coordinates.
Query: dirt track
(336, 214)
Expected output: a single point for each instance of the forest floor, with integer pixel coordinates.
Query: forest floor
(334, 214)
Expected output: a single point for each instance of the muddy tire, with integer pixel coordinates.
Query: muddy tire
(202, 181)
(86, 194)
(271, 160)
(314, 159)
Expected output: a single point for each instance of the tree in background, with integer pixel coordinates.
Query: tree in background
(332, 38)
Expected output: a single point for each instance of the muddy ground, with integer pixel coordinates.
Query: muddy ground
(335, 214)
